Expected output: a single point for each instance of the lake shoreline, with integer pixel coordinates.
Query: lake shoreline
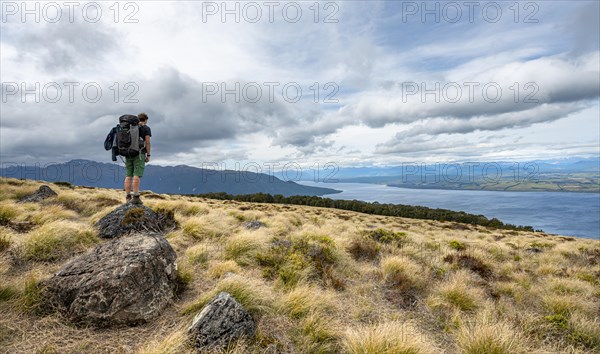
(559, 213)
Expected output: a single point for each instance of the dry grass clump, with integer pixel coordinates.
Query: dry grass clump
(242, 248)
(363, 249)
(176, 342)
(6, 237)
(55, 240)
(471, 262)
(8, 212)
(387, 338)
(489, 335)
(306, 299)
(457, 292)
(568, 304)
(317, 334)
(256, 298)
(402, 273)
(15, 189)
(181, 208)
(212, 225)
(218, 269)
(197, 254)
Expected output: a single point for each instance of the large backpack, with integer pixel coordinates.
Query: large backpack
(129, 142)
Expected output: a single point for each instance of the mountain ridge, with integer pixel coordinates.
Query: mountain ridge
(181, 179)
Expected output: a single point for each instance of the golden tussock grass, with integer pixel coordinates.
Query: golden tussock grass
(387, 338)
(306, 299)
(316, 280)
(54, 241)
(486, 334)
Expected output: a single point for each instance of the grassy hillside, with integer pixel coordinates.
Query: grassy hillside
(316, 280)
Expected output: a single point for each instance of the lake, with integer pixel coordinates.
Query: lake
(563, 213)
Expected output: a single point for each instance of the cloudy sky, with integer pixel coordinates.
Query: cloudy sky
(351, 82)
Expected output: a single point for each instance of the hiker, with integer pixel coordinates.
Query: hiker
(134, 165)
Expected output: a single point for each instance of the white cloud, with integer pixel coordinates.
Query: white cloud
(368, 53)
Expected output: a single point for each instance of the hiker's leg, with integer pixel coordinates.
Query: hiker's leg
(127, 185)
(138, 172)
(136, 185)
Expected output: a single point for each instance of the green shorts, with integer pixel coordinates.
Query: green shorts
(134, 166)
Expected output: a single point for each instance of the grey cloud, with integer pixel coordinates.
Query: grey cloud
(539, 114)
(62, 46)
(181, 122)
(584, 27)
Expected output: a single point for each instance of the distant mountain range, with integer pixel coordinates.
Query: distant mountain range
(176, 179)
(559, 175)
(566, 165)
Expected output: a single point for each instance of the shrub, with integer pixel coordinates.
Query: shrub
(457, 245)
(63, 184)
(542, 245)
(386, 236)
(471, 263)
(558, 320)
(56, 240)
(307, 255)
(363, 249)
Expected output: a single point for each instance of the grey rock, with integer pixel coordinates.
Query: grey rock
(254, 224)
(124, 282)
(221, 321)
(533, 250)
(129, 218)
(42, 193)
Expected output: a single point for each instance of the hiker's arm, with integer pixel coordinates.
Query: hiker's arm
(147, 145)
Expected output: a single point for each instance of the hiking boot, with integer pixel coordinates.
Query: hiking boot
(136, 200)
(127, 198)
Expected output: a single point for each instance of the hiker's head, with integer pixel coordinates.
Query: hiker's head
(143, 118)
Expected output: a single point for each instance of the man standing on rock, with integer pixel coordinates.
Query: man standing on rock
(134, 166)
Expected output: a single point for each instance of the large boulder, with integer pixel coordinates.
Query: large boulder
(221, 321)
(130, 217)
(124, 282)
(42, 193)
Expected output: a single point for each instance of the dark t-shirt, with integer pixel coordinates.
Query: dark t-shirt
(145, 131)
